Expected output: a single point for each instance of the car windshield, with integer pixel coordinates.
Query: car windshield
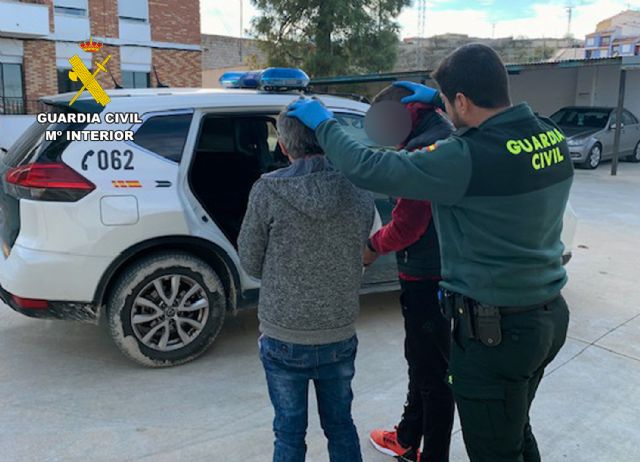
(581, 117)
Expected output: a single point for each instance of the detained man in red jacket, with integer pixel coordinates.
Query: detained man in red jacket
(428, 411)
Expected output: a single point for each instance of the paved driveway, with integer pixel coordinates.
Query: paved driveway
(66, 394)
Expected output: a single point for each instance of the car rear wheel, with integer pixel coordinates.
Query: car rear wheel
(594, 157)
(635, 157)
(166, 309)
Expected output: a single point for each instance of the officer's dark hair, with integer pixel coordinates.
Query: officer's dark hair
(476, 71)
(391, 93)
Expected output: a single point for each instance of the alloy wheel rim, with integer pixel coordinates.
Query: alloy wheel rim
(170, 312)
(637, 153)
(595, 156)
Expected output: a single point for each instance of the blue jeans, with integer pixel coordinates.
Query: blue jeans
(289, 367)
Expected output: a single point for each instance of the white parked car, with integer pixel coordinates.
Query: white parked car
(143, 233)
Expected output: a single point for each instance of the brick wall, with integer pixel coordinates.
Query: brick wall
(177, 68)
(104, 18)
(39, 66)
(175, 21)
(113, 65)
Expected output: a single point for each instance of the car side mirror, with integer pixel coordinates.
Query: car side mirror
(612, 126)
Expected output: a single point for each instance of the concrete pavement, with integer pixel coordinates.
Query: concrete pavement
(66, 393)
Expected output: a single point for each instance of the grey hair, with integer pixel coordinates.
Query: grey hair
(299, 140)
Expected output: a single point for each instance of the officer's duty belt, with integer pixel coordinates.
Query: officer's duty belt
(482, 322)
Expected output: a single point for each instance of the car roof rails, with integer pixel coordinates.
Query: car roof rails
(353, 96)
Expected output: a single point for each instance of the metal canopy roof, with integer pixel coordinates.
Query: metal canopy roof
(625, 62)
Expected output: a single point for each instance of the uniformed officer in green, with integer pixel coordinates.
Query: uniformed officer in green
(499, 187)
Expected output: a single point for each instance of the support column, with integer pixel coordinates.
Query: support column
(616, 139)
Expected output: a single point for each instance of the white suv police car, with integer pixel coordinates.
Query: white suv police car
(142, 232)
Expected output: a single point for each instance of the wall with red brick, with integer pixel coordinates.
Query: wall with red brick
(112, 65)
(39, 67)
(177, 68)
(104, 18)
(176, 21)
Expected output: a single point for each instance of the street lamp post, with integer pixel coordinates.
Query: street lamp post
(241, 20)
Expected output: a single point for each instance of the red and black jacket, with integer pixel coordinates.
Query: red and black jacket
(411, 232)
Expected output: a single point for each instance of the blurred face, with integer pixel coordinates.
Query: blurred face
(388, 123)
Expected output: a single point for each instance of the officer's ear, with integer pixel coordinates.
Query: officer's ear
(462, 103)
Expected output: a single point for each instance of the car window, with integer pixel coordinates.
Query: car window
(581, 117)
(353, 124)
(272, 139)
(628, 118)
(164, 135)
(252, 137)
(216, 135)
(257, 137)
(32, 145)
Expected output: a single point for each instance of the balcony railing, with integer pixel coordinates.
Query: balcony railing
(16, 105)
(12, 105)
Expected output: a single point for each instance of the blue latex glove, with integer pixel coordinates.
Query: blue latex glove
(421, 93)
(310, 112)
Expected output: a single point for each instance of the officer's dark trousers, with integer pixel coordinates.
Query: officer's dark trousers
(494, 386)
(428, 412)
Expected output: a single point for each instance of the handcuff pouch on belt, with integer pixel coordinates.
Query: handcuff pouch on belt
(481, 322)
(487, 324)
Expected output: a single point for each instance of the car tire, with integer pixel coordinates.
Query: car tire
(166, 309)
(635, 157)
(593, 158)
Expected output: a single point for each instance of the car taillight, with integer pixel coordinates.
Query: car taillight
(47, 182)
(29, 303)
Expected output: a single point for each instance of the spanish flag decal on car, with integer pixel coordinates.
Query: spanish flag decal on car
(126, 184)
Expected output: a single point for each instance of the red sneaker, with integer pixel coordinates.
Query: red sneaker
(387, 443)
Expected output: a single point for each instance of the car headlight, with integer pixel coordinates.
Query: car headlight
(578, 142)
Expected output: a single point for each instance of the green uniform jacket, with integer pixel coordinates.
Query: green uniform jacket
(499, 192)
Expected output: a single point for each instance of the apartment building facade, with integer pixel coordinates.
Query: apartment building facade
(618, 35)
(150, 42)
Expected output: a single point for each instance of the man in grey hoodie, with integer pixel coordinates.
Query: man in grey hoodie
(303, 235)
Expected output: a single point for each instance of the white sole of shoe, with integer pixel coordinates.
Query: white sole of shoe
(383, 450)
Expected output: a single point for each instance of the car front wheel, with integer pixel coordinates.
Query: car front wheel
(594, 157)
(635, 157)
(166, 309)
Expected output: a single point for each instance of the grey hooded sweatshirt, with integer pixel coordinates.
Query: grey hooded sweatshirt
(303, 235)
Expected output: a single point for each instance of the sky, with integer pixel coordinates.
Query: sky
(480, 18)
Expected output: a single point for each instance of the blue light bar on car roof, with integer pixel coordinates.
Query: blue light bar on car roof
(230, 79)
(283, 78)
(271, 79)
(250, 80)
